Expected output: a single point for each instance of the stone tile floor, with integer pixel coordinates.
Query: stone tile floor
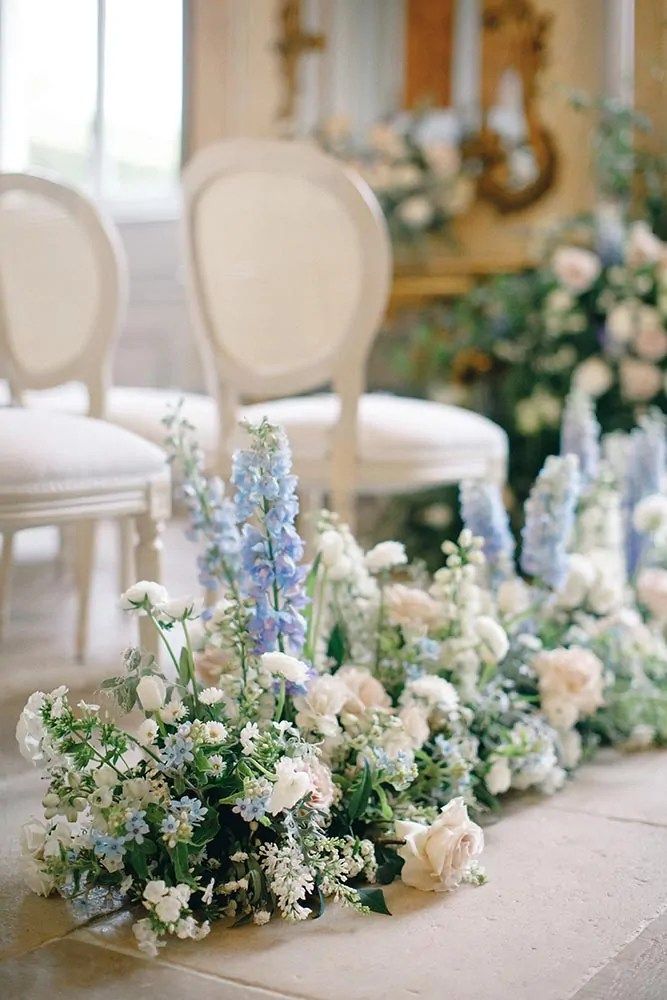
(576, 905)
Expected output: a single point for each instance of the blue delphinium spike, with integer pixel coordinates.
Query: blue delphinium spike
(580, 435)
(484, 513)
(644, 474)
(549, 520)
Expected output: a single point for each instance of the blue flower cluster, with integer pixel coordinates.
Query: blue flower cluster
(271, 549)
(484, 513)
(644, 473)
(251, 809)
(580, 435)
(136, 826)
(549, 520)
(107, 848)
(194, 809)
(177, 752)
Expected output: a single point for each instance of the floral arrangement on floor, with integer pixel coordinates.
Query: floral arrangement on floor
(320, 730)
(421, 184)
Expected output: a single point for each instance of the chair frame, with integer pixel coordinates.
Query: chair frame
(148, 502)
(344, 366)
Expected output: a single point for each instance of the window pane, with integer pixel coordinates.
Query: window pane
(142, 98)
(49, 82)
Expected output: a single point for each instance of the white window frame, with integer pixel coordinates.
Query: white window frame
(122, 210)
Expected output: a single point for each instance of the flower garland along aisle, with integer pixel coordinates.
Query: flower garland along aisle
(321, 730)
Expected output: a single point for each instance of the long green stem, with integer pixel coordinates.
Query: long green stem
(164, 639)
(191, 664)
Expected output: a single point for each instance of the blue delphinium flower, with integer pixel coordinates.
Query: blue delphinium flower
(643, 476)
(549, 519)
(580, 435)
(271, 549)
(484, 513)
(211, 514)
(107, 848)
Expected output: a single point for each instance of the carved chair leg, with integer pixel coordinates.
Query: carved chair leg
(128, 572)
(149, 567)
(5, 575)
(85, 562)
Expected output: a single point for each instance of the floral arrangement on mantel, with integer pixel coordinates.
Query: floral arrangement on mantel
(420, 184)
(323, 729)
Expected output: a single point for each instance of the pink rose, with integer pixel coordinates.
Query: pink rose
(640, 380)
(364, 690)
(644, 247)
(575, 268)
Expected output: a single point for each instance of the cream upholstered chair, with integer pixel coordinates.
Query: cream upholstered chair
(61, 291)
(289, 268)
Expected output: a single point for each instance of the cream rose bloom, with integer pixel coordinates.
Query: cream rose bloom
(570, 683)
(575, 268)
(643, 246)
(363, 690)
(640, 380)
(411, 608)
(437, 856)
(415, 724)
(593, 376)
(318, 710)
(652, 591)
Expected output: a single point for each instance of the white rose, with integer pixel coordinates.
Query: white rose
(411, 608)
(570, 683)
(493, 638)
(581, 575)
(575, 268)
(437, 856)
(168, 909)
(147, 732)
(415, 724)
(499, 776)
(385, 556)
(282, 665)
(322, 786)
(318, 709)
(291, 786)
(32, 837)
(363, 690)
(151, 692)
(144, 591)
(30, 728)
(593, 377)
(435, 693)
(650, 514)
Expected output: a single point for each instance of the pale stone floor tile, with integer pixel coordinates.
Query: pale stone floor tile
(69, 969)
(639, 971)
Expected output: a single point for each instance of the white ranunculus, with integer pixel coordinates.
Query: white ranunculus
(385, 556)
(147, 732)
(291, 785)
(581, 575)
(575, 268)
(144, 591)
(178, 609)
(650, 514)
(499, 776)
(513, 596)
(281, 665)
(151, 692)
(593, 376)
(415, 724)
(437, 856)
(493, 639)
(331, 547)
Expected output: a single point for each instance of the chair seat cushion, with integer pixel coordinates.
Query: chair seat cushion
(45, 452)
(391, 428)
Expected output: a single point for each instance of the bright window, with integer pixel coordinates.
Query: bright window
(91, 90)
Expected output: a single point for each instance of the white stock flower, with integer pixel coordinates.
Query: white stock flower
(575, 268)
(281, 665)
(151, 692)
(291, 785)
(385, 555)
(145, 591)
(499, 776)
(493, 639)
(436, 857)
(155, 890)
(650, 514)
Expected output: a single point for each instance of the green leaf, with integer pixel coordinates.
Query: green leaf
(374, 899)
(179, 856)
(360, 792)
(185, 666)
(389, 864)
(207, 829)
(337, 646)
